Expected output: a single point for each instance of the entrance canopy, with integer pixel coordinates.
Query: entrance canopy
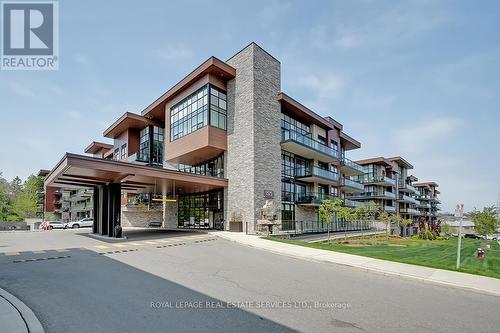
(77, 171)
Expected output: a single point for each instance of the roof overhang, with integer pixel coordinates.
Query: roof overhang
(401, 161)
(211, 66)
(95, 147)
(300, 112)
(412, 178)
(429, 184)
(77, 171)
(43, 173)
(129, 121)
(376, 160)
(348, 142)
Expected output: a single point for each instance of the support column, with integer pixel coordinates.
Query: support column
(95, 214)
(113, 207)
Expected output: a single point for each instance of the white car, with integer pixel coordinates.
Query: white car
(83, 223)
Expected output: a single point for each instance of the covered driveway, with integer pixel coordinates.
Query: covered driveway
(109, 178)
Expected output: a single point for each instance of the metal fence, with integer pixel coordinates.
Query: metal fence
(305, 227)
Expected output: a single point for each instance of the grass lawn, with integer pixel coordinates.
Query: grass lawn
(435, 254)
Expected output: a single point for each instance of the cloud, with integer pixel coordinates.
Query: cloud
(73, 115)
(20, 90)
(433, 131)
(177, 51)
(327, 86)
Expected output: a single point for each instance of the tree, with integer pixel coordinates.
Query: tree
(363, 214)
(25, 205)
(403, 224)
(385, 217)
(15, 188)
(328, 211)
(395, 220)
(485, 222)
(348, 215)
(4, 199)
(373, 210)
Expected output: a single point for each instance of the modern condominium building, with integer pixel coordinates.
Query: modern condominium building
(429, 203)
(212, 151)
(388, 183)
(216, 148)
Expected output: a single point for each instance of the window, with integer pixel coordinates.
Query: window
(218, 110)
(189, 114)
(144, 145)
(123, 154)
(158, 142)
(335, 145)
(116, 154)
(214, 168)
(290, 124)
(322, 139)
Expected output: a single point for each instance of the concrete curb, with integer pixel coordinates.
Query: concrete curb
(31, 321)
(425, 275)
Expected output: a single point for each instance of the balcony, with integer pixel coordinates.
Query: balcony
(410, 211)
(307, 147)
(373, 195)
(378, 180)
(390, 209)
(424, 197)
(407, 199)
(352, 186)
(353, 203)
(408, 188)
(315, 174)
(351, 168)
(311, 198)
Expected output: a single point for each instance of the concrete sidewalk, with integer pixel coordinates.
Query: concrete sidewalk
(456, 279)
(16, 317)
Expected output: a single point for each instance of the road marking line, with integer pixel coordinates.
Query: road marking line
(165, 240)
(150, 242)
(118, 245)
(11, 253)
(135, 244)
(39, 252)
(61, 250)
(102, 247)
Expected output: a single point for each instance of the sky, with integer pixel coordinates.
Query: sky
(418, 79)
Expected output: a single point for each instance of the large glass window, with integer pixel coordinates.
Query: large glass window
(144, 145)
(192, 113)
(158, 141)
(218, 108)
(189, 114)
(290, 124)
(123, 153)
(214, 168)
(200, 210)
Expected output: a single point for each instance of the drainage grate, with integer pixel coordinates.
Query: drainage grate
(119, 251)
(40, 259)
(170, 245)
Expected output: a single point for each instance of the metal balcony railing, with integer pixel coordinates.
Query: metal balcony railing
(351, 164)
(309, 142)
(353, 184)
(315, 171)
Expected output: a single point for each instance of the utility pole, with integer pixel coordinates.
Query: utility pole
(459, 212)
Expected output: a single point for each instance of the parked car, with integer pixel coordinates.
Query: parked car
(473, 236)
(83, 223)
(49, 225)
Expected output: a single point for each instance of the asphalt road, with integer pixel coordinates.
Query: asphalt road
(187, 287)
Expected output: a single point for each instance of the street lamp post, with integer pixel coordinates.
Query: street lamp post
(459, 210)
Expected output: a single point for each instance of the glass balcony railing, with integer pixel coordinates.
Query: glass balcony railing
(375, 194)
(353, 184)
(353, 165)
(389, 208)
(316, 171)
(309, 142)
(376, 179)
(312, 198)
(353, 203)
(407, 198)
(305, 198)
